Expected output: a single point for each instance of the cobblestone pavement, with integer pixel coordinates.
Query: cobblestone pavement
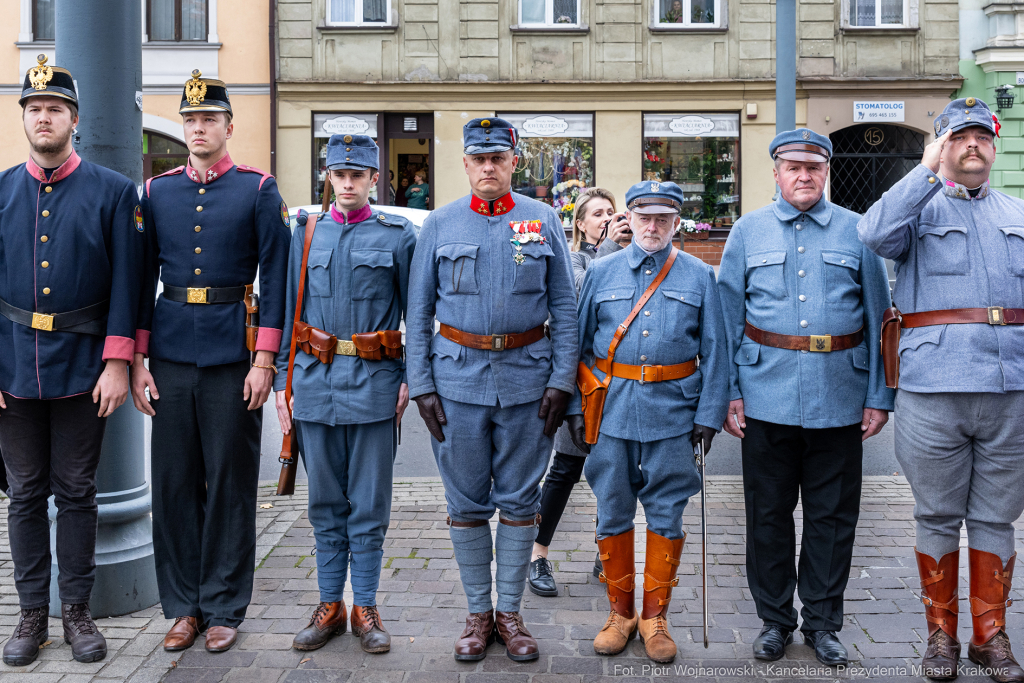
(423, 606)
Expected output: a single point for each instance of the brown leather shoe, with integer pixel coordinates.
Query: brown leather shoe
(659, 579)
(990, 593)
(942, 610)
(619, 573)
(479, 633)
(520, 646)
(182, 635)
(366, 624)
(329, 618)
(220, 638)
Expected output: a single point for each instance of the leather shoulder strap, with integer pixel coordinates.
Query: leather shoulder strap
(620, 332)
(310, 227)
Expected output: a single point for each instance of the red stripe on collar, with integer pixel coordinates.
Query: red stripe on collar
(62, 172)
(357, 216)
(214, 172)
(496, 207)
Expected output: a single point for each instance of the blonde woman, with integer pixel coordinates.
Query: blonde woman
(594, 221)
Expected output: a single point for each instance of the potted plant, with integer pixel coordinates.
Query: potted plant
(701, 231)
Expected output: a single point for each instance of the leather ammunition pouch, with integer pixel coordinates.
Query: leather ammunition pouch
(324, 346)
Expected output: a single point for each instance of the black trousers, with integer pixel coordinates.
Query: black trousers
(205, 471)
(565, 472)
(823, 468)
(52, 446)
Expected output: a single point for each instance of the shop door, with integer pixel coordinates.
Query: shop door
(407, 149)
(868, 159)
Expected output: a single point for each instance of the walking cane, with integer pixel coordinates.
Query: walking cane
(698, 455)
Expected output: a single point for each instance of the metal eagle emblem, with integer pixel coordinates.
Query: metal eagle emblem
(806, 135)
(819, 344)
(195, 89)
(40, 74)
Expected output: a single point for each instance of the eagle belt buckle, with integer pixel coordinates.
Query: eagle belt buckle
(346, 347)
(197, 295)
(42, 321)
(995, 315)
(497, 342)
(821, 343)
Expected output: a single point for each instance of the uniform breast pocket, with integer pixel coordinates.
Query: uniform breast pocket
(766, 274)
(1014, 235)
(842, 275)
(531, 273)
(613, 305)
(318, 268)
(680, 314)
(456, 268)
(372, 274)
(943, 249)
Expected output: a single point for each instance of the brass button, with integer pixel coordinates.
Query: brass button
(647, 312)
(199, 208)
(646, 333)
(643, 358)
(46, 290)
(803, 323)
(348, 149)
(801, 273)
(45, 213)
(198, 272)
(198, 228)
(803, 298)
(49, 189)
(45, 264)
(932, 179)
(800, 249)
(347, 159)
(202, 190)
(198, 250)
(44, 238)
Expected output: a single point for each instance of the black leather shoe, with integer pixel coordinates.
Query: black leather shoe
(598, 566)
(827, 647)
(542, 582)
(771, 642)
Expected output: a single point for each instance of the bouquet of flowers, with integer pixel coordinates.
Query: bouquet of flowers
(697, 231)
(564, 196)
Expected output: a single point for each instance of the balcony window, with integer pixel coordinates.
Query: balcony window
(688, 13)
(355, 12)
(178, 20)
(878, 13)
(42, 20)
(549, 12)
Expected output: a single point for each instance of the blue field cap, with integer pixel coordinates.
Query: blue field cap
(655, 196)
(802, 144)
(964, 113)
(488, 135)
(357, 152)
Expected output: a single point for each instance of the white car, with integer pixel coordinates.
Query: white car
(416, 216)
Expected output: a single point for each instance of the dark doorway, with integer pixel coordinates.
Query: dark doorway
(868, 159)
(407, 150)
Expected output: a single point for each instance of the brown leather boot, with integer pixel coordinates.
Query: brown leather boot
(659, 578)
(366, 624)
(478, 634)
(619, 572)
(329, 618)
(941, 609)
(990, 593)
(520, 646)
(182, 635)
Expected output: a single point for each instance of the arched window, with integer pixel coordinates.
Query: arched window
(160, 154)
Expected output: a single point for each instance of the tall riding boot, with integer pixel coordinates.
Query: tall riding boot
(941, 609)
(619, 572)
(990, 592)
(659, 578)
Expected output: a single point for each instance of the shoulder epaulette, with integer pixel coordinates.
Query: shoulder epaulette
(390, 221)
(253, 169)
(173, 171)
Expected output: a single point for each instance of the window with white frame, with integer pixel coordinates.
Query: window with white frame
(42, 19)
(346, 12)
(689, 12)
(878, 13)
(549, 12)
(177, 20)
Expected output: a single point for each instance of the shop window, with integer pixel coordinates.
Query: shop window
(688, 13)
(878, 13)
(42, 20)
(549, 12)
(348, 12)
(177, 20)
(161, 154)
(699, 152)
(556, 158)
(326, 125)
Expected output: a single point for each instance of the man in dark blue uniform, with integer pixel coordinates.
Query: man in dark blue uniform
(70, 263)
(212, 223)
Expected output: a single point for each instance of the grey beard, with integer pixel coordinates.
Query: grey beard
(52, 147)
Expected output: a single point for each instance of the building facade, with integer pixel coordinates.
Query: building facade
(610, 92)
(224, 39)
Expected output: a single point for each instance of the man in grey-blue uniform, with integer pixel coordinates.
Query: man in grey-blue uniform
(802, 299)
(348, 397)
(492, 387)
(655, 372)
(958, 246)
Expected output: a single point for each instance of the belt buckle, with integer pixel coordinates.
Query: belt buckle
(197, 295)
(346, 347)
(821, 343)
(996, 316)
(643, 370)
(42, 321)
(497, 342)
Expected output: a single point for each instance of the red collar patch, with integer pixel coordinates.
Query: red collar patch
(65, 169)
(492, 208)
(212, 173)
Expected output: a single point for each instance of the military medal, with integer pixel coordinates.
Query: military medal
(524, 231)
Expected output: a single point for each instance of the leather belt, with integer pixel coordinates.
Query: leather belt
(86, 320)
(649, 373)
(993, 315)
(204, 295)
(367, 345)
(493, 342)
(819, 343)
